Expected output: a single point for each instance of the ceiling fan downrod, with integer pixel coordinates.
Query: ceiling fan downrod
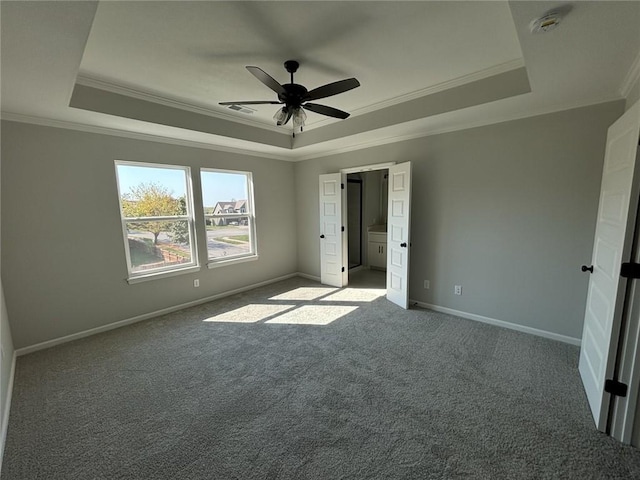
(291, 66)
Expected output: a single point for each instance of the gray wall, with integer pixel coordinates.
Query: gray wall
(371, 207)
(507, 211)
(372, 214)
(63, 263)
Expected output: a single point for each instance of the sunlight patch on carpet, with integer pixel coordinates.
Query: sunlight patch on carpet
(356, 295)
(313, 315)
(251, 313)
(304, 293)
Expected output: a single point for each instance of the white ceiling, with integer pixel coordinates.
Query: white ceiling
(172, 60)
(197, 54)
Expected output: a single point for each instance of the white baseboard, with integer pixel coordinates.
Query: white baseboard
(309, 277)
(499, 323)
(146, 316)
(7, 409)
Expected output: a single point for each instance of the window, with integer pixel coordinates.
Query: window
(157, 218)
(227, 198)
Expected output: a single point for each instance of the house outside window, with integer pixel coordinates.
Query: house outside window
(156, 208)
(227, 197)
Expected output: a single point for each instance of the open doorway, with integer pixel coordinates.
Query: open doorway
(354, 221)
(334, 249)
(367, 206)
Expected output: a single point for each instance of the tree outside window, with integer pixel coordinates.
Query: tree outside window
(157, 217)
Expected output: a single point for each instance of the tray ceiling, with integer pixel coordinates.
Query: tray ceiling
(159, 69)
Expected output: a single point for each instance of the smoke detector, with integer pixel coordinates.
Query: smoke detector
(549, 20)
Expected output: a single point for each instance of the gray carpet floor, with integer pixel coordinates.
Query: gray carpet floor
(333, 385)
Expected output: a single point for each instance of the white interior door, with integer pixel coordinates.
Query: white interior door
(333, 238)
(612, 245)
(398, 233)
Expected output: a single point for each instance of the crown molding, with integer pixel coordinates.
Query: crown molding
(100, 84)
(49, 122)
(301, 157)
(632, 76)
(462, 126)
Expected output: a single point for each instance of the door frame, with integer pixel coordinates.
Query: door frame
(367, 168)
(624, 418)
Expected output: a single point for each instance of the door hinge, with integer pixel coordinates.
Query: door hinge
(343, 271)
(616, 388)
(343, 229)
(630, 270)
(342, 186)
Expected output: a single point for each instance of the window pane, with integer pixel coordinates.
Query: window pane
(152, 190)
(224, 192)
(227, 237)
(162, 244)
(227, 194)
(137, 181)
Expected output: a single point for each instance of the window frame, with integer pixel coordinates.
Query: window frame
(249, 213)
(168, 271)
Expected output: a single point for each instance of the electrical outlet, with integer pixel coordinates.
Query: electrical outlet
(457, 289)
(427, 285)
(196, 283)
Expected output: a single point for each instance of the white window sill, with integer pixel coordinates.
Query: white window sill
(165, 274)
(231, 261)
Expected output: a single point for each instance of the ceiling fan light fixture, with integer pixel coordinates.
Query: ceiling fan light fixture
(280, 116)
(299, 117)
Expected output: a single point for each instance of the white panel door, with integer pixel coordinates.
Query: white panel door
(398, 234)
(333, 240)
(612, 245)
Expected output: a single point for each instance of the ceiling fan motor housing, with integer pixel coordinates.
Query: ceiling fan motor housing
(293, 95)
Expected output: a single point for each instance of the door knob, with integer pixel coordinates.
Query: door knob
(321, 236)
(584, 268)
(403, 244)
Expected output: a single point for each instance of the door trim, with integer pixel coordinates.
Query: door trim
(368, 168)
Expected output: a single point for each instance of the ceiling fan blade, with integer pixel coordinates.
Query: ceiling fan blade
(252, 102)
(267, 79)
(332, 89)
(324, 110)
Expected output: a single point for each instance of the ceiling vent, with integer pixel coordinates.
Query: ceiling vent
(549, 20)
(241, 109)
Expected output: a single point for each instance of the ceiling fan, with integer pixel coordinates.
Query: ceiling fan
(296, 97)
